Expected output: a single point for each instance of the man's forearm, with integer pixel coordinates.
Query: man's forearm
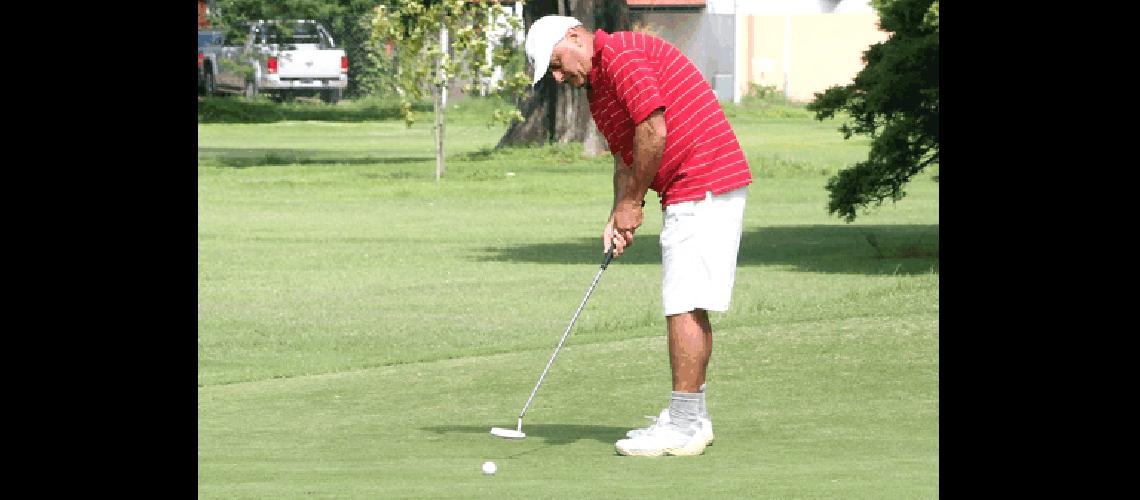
(632, 182)
(622, 179)
(617, 181)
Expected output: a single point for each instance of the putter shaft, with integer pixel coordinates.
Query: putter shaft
(609, 257)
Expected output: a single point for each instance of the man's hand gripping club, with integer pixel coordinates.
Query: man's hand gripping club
(632, 182)
(623, 223)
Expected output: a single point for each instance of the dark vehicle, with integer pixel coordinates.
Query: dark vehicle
(207, 60)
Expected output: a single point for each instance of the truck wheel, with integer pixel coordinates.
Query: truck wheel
(331, 96)
(250, 90)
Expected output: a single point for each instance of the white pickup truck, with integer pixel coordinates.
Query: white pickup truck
(283, 60)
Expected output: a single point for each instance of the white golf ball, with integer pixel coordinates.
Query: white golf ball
(489, 467)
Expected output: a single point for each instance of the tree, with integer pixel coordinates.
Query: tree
(440, 41)
(561, 113)
(400, 49)
(894, 100)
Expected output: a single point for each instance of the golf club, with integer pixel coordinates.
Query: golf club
(517, 433)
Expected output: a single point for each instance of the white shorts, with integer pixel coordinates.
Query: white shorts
(699, 243)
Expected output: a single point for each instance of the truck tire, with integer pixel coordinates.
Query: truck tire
(331, 96)
(250, 90)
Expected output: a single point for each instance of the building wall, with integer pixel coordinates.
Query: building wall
(782, 7)
(801, 54)
(798, 46)
(706, 38)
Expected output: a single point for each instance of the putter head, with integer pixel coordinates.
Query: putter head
(507, 433)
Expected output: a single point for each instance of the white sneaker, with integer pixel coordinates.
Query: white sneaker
(663, 439)
(663, 419)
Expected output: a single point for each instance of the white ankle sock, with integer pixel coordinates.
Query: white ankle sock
(685, 410)
(704, 407)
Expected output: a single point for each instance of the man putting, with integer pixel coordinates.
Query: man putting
(667, 132)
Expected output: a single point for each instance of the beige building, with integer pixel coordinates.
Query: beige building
(799, 47)
(803, 53)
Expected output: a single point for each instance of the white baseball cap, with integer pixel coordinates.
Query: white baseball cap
(544, 34)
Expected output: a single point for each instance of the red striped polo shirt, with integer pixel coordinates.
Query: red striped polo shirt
(633, 74)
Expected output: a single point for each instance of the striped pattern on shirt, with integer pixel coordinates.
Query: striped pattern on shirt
(634, 74)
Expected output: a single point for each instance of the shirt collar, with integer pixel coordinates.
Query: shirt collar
(600, 40)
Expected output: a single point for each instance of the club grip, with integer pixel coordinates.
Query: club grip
(609, 257)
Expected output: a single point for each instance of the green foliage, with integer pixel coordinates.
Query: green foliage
(379, 78)
(244, 71)
(419, 62)
(764, 101)
(894, 100)
(763, 94)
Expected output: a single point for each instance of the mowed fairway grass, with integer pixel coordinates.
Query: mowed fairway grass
(361, 327)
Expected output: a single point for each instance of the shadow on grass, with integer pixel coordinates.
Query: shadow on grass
(264, 157)
(548, 434)
(850, 249)
(549, 155)
(231, 109)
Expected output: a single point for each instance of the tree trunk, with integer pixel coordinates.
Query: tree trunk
(594, 144)
(440, 109)
(561, 113)
(538, 120)
(439, 98)
(613, 15)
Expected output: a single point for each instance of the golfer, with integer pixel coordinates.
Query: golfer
(666, 132)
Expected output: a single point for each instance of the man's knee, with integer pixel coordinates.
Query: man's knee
(696, 318)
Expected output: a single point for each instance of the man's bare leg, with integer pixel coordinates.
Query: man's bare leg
(690, 347)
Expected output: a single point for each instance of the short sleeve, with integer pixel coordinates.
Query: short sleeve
(635, 83)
